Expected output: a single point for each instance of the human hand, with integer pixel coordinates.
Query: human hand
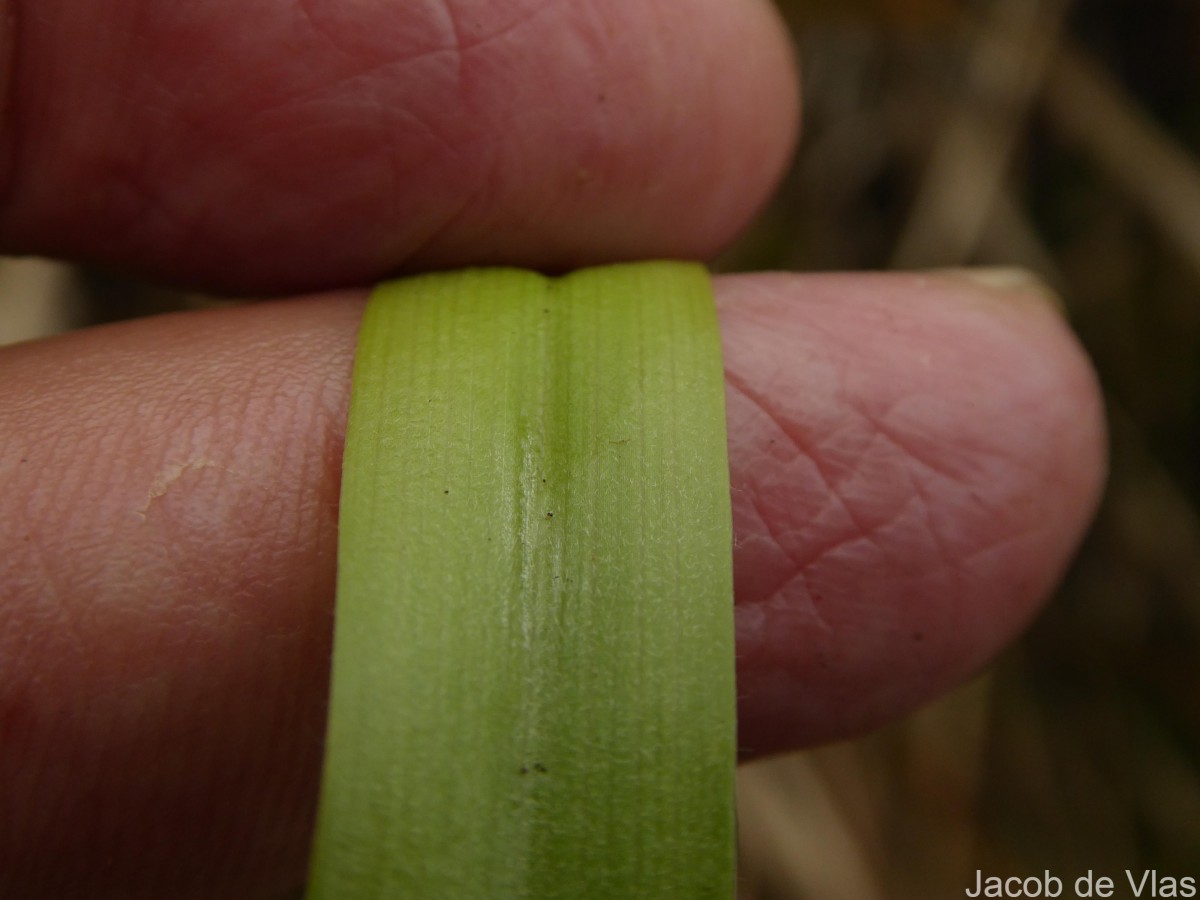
(913, 456)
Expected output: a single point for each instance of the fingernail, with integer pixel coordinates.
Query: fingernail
(1013, 283)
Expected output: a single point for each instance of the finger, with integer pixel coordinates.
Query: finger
(912, 460)
(291, 145)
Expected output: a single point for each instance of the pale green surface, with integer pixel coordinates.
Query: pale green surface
(533, 668)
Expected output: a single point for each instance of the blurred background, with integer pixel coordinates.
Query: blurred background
(1061, 136)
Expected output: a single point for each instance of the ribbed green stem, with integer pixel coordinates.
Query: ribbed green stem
(533, 665)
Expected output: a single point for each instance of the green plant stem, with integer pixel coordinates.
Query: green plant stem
(533, 687)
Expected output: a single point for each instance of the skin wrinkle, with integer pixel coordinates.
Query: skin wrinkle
(225, 146)
(54, 620)
(798, 568)
(397, 170)
(817, 546)
(946, 468)
(955, 551)
(465, 42)
(455, 33)
(123, 184)
(918, 500)
(798, 593)
(764, 534)
(829, 486)
(818, 550)
(486, 171)
(502, 157)
(473, 175)
(752, 494)
(311, 12)
(198, 116)
(904, 443)
(483, 189)
(978, 484)
(137, 210)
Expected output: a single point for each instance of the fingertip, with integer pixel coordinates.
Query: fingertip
(332, 144)
(917, 457)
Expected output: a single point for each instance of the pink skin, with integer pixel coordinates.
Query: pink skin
(912, 460)
(913, 457)
(289, 145)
